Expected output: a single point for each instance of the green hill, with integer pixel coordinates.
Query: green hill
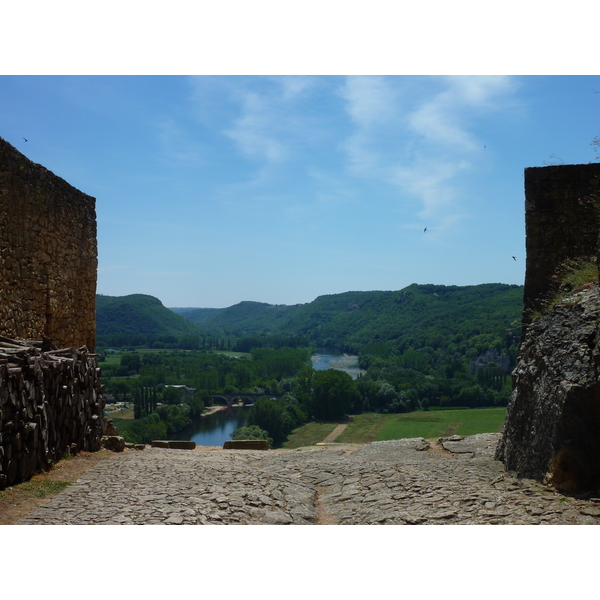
(422, 346)
(197, 315)
(138, 314)
(464, 320)
(246, 318)
(417, 316)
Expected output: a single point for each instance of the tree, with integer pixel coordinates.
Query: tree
(269, 414)
(133, 362)
(251, 432)
(334, 393)
(137, 404)
(199, 400)
(171, 395)
(120, 389)
(175, 417)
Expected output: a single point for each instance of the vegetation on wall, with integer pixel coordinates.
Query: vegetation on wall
(572, 276)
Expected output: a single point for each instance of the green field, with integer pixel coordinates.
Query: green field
(427, 424)
(309, 435)
(374, 427)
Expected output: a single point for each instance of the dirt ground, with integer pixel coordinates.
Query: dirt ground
(18, 500)
(435, 447)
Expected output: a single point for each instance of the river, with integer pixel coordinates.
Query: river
(330, 358)
(214, 429)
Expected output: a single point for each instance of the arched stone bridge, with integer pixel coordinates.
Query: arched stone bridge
(243, 396)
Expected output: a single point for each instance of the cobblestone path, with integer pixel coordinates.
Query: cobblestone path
(396, 482)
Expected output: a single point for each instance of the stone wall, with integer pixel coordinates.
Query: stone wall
(48, 255)
(553, 417)
(560, 224)
(50, 393)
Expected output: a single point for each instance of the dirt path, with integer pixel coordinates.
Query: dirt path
(19, 500)
(337, 432)
(435, 447)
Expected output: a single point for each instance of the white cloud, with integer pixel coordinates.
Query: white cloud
(444, 119)
(481, 91)
(372, 104)
(420, 135)
(293, 86)
(371, 100)
(436, 122)
(416, 135)
(253, 131)
(430, 185)
(271, 121)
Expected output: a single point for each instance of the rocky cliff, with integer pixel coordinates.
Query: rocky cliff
(552, 426)
(553, 420)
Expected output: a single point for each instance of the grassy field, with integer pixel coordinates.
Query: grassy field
(442, 423)
(374, 427)
(119, 414)
(309, 435)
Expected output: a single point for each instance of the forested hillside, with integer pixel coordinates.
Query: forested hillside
(417, 316)
(423, 347)
(197, 315)
(137, 319)
(469, 319)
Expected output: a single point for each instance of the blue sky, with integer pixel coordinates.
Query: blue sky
(211, 190)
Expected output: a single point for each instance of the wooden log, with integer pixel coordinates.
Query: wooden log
(12, 342)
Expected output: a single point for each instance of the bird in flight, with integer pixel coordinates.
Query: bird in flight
(424, 230)
(26, 139)
(514, 258)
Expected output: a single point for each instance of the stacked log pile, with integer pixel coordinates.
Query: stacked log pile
(50, 405)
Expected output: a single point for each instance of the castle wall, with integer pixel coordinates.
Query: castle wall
(560, 224)
(553, 417)
(48, 255)
(50, 399)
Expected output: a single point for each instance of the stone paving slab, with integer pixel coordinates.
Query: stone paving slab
(396, 482)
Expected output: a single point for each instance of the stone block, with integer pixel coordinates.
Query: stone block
(160, 444)
(182, 445)
(174, 444)
(246, 445)
(115, 443)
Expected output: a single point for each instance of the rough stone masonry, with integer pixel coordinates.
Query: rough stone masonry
(553, 417)
(50, 395)
(48, 255)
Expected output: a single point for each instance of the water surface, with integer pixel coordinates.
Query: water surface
(215, 429)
